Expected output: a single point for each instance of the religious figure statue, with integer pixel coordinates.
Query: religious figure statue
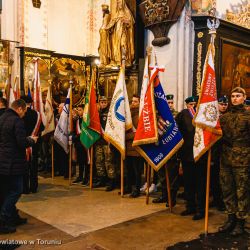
(121, 28)
(104, 46)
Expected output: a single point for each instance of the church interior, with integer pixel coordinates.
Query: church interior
(80, 43)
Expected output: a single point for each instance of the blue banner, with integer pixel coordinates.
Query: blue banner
(170, 138)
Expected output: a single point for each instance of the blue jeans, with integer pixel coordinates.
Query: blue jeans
(11, 191)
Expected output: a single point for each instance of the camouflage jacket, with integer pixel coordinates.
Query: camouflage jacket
(236, 137)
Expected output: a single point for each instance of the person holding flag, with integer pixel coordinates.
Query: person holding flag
(104, 154)
(235, 162)
(34, 127)
(206, 119)
(157, 136)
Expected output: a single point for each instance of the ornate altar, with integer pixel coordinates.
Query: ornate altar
(108, 78)
(4, 63)
(55, 70)
(232, 56)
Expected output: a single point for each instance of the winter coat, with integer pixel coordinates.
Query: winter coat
(13, 142)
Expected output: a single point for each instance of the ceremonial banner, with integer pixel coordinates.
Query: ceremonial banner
(119, 116)
(49, 114)
(91, 126)
(206, 119)
(61, 134)
(37, 100)
(146, 131)
(16, 88)
(170, 138)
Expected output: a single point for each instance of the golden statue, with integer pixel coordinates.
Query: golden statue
(121, 28)
(104, 46)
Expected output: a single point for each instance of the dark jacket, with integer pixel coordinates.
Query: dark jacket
(103, 113)
(30, 120)
(2, 110)
(184, 122)
(13, 143)
(130, 150)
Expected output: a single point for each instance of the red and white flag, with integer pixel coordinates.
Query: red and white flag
(37, 100)
(146, 131)
(49, 113)
(206, 119)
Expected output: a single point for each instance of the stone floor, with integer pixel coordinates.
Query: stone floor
(62, 217)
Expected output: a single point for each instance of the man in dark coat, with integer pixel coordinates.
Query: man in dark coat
(13, 142)
(194, 173)
(33, 126)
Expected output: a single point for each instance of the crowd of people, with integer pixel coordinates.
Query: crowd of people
(23, 154)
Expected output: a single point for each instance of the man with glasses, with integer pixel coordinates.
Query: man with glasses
(235, 161)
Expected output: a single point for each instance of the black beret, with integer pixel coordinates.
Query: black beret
(191, 99)
(223, 99)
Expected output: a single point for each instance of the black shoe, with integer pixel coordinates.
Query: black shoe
(173, 204)
(125, 191)
(99, 183)
(239, 228)
(77, 180)
(17, 221)
(85, 183)
(188, 212)
(6, 228)
(109, 188)
(159, 200)
(135, 194)
(229, 225)
(198, 216)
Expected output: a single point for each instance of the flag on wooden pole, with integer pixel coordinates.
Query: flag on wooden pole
(206, 119)
(169, 136)
(61, 134)
(37, 100)
(49, 113)
(119, 116)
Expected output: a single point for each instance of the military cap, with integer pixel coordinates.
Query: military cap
(191, 99)
(170, 97)
(247, 101)
(223, 99)
(103, 98)
(27, 98)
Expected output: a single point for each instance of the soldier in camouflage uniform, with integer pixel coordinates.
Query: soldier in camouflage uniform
(235, 163)
(103, 153)
(173, 169)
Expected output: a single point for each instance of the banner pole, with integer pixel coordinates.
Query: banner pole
(70, 130)
(91, 168)
(122, 177)
(207, 191)
(52, 162)
(70, 161)
(148, 183)
(168, 189)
